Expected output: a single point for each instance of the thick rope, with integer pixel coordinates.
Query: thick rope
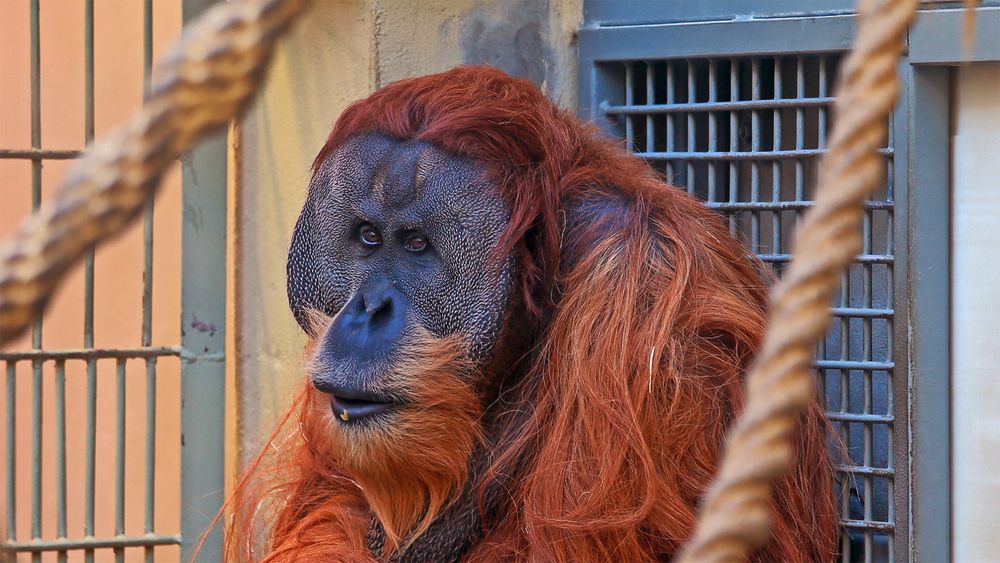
(205, 80)
(734, 518)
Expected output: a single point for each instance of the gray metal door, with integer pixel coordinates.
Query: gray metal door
(730, 102)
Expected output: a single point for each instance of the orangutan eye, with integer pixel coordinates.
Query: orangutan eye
(369, 235)
(415, 243)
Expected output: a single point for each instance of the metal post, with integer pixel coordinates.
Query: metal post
(203, 318)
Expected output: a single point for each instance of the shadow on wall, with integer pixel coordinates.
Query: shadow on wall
(511, 37)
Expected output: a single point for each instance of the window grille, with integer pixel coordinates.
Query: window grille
(744, 134)
(93, 428)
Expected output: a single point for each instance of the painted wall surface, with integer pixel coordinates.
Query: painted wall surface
(341, 52)
(975, 319)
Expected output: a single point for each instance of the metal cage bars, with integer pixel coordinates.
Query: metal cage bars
(89, 355)
(744, 134)
(201, 355)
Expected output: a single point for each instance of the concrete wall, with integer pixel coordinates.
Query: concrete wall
(341, 52)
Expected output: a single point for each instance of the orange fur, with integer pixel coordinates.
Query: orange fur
(604, 441)
(405, 473)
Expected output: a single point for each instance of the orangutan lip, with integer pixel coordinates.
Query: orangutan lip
(351, 410)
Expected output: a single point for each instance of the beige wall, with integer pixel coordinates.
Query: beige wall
(343, 51)
(975, 319)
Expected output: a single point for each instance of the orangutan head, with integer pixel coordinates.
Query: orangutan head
(397, 244)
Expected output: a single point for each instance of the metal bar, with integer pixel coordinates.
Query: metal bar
(897, 285)
(823, 117)
(867, 383)
(860, 470)
(712, 105)
(650, 94)
(88, 74)
(147, 303)
(90, 447)
(742, 155)
(38, 154)
(750, 37)
(147, 45)
(150, 489)
(713, 135)
(36, 333)
(734, 187)
(890, 343)
(755, 149)
(91, 543)
(92, 353)
(775, 165)
(671, 98)
(90, 454)
(854, 365)
(886, 526)
(782, 205)
(689, 165)
(874, 258)
(863, 312)
(630, 100)
(929, 312)
(61, 452)
(120, 455)
(800, 91)
(843, 415)
(853, 417)
(36, 450)
(88, 330)
(11, 406)
(203, 370)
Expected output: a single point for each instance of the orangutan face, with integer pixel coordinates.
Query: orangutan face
(396, 243)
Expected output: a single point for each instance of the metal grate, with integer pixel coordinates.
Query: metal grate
(98, 476)
(744, 135)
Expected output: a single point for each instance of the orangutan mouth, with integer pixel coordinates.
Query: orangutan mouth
(354, 408)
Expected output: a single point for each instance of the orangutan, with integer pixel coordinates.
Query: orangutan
(523, 345)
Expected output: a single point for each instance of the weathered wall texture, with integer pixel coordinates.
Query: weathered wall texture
(342, 51)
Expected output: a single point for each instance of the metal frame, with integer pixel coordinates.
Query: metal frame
(632, 30)
(935, 45)
(203, 337)
(201, 350)
(923, 333)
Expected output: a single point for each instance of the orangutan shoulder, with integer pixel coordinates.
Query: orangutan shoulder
(590, 216)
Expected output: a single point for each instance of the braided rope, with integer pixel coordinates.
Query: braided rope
(734, 518)
(205, 80)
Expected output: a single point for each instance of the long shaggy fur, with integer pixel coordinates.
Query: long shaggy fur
(645, 314)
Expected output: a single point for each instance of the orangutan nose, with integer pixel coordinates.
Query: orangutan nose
(370, 326)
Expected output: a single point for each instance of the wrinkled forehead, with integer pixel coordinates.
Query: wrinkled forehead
(375, 171)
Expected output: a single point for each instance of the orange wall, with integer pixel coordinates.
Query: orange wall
(118, 297)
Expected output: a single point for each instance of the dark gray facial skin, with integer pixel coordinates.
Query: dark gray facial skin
(395, 236)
